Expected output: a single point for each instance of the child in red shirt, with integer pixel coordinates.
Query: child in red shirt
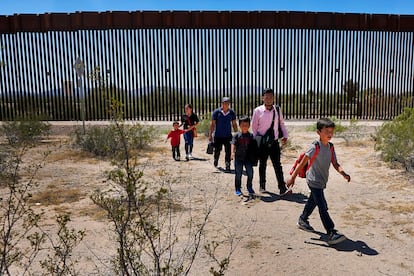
(175, 135)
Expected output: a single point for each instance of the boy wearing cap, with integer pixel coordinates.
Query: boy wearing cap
(223, 119)
(265, 117)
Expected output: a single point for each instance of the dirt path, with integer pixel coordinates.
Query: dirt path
(375, 211)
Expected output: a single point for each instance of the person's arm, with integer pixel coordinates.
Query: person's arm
(196, 120)
(303, 162)
(233, 151)
(254, 123)
(212, 127)
(189, 128)
(234, 124)
(168, 136)
(283, 127)
(340, 170)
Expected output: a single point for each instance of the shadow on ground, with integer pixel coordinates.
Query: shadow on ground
(272, 197)
(347, 245)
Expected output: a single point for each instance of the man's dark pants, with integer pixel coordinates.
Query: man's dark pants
(274, 153)
(219, 142)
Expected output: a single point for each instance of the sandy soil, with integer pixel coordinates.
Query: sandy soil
(375, 210)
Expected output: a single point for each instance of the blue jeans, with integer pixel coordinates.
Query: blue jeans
(189, 140)
(317, 198)
(238, 165)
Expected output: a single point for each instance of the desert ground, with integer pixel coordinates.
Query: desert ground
(375, 210)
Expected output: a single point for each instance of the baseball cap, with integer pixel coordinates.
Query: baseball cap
(225, 99)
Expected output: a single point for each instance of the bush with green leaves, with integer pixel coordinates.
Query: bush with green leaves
(203, 126)
(105, 140)
(25, 131)
(395, 140)
(21, 237)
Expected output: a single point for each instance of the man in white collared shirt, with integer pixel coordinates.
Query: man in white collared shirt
(262, 118)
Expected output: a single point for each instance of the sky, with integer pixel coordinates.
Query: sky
(402, 7)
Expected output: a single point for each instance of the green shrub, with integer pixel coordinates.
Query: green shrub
(105, 141)
(339, 128)
(26, 131)
(395, 139)
(203, 126)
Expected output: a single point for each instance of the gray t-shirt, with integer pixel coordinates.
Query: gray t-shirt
(318, 174)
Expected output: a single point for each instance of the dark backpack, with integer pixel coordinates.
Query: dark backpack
(302, 172)
(253, 152)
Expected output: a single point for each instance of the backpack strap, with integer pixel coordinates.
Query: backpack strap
(278, 114)
(331, 147)
(317, 148)
(315, 154)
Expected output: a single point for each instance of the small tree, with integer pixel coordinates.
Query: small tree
(145, 220)
(18, 221)
(61, 261)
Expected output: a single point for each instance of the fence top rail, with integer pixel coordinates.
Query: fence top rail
(10, 24)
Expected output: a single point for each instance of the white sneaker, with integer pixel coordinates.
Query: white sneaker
(190, 156)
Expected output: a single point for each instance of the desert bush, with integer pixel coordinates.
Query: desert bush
(18, 220)
(395, 140)
(22, 237)
(144, 219)
(203, 126)
(105, 141)
(339, 128)
(61, 261)
(25, 132)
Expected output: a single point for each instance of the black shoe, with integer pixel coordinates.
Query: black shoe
(304, 225)
(262, 188)
(215, 163)
(335, 237)
(228, 166)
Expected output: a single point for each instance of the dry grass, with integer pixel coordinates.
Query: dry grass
(357, 216)
(94, 212)
(401, 208)
(73, 155)
(54, 195)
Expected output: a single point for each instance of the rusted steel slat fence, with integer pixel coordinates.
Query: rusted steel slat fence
(319, 64)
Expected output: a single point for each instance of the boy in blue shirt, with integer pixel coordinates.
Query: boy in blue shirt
(317, 177)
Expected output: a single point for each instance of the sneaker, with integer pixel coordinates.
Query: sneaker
(238, 193)
(227, 166)
(190, 156)
(215, 163)
(335, 238)
(262, 190)
(304, 225)
(177, 159)
(250, 190)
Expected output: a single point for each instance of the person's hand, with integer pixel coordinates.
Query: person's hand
(290, 182)
(346, 176)
(232, 156)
